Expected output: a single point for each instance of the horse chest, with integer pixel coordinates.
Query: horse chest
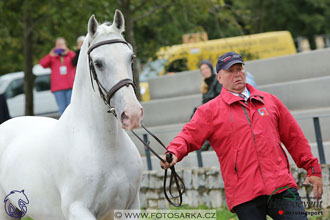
(117, 191)
(120, 180)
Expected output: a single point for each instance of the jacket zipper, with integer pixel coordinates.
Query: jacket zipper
(236, 168)
(236, 164)
(286, 158)
(254, 140)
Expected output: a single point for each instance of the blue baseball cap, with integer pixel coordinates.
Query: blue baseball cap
(227, 60)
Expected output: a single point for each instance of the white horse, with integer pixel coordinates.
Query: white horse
(84, 165)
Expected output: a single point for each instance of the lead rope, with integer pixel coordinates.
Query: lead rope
(174, 176)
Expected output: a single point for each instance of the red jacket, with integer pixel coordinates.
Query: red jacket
(60, 81)
(252, 160)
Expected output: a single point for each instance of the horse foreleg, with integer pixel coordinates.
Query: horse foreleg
(5, 216)
(77, 211)
(135, 204)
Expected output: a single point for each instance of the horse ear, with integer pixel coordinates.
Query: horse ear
(119, 21)
(92, 26)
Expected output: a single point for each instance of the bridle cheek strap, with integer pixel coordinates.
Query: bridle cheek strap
(107, 95)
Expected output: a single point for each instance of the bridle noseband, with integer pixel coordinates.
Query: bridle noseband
(107, 95)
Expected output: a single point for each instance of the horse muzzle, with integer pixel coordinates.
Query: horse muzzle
(131, 118)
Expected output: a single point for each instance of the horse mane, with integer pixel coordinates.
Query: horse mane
(106, 28)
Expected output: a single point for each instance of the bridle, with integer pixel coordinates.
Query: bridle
(174, 176)
(107, 95)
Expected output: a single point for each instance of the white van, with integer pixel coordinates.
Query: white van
(44, 101)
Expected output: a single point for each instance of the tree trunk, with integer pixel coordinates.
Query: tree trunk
(28, 61)
(129, 35)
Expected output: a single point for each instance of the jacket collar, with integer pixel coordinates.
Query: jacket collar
(229, 98)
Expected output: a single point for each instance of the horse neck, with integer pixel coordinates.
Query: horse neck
(86, 104)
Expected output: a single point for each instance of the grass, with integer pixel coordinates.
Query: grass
(221, 214)
(225, 214)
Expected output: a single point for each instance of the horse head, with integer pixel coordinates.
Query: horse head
(110, 62)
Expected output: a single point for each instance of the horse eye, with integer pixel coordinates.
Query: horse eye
(98, 64)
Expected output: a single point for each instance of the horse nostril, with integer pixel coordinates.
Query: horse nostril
(124, 118)
(141, 112)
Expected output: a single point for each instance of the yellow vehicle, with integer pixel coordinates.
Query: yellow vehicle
(183, 57)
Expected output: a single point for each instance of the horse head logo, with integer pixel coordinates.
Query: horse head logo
(15, 204)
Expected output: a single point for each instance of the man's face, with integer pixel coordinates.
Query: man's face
(60, 43)
(233, 79)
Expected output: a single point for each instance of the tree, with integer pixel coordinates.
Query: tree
(28, 55)
(131, 11)
(149, 25)
(300, 17)
(142, 17)
(44, 21)
(40, 22)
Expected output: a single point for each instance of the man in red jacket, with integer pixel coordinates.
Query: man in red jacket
(63, 72)
(246, 126)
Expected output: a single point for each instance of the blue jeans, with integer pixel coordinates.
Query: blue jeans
(63, 98)
(281, 206)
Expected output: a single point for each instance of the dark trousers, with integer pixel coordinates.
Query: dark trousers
(284, 205)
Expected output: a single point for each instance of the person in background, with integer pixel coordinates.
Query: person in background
(210, 86)
(250, 79)
(4, 112)
(245, 127)
(63, 72)
(80, 41)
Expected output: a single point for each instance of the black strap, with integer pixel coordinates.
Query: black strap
(246, 114)
(115, 88)
(107, 95)
(174, 176)
(248, 118)
(113, 41)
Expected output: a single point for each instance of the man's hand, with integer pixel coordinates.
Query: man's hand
(317, 185)
(167, 165)
(66, 51)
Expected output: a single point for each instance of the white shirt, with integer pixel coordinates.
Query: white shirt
(246, 93)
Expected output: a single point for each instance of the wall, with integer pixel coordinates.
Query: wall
(204, 186)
